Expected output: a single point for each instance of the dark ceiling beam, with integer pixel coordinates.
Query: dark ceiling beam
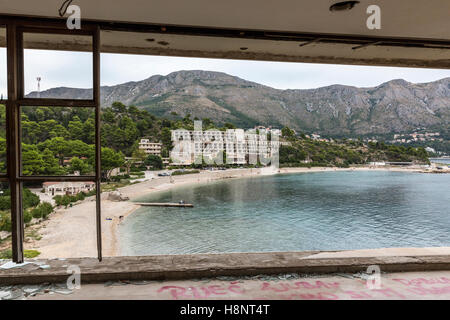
(301, 37)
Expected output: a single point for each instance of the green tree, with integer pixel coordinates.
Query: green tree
(75, 128)
(57, 145)
(287, 132)
(32, 163)
(228, 125)
(110, 161)
(118, 107)
(89, 131)
(76, 164)
(166, 138)
(139, 154)
(154, 161)
(31, 132)
(50, 164)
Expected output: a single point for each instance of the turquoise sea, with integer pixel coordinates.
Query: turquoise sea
(294, 212)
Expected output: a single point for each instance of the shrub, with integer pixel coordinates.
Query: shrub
(62, 200)
(36, 212)
(179, 172)
(91, 193)
(5, 201)
(29, 199)
(46, 208)
(5, 221)
(65, 200)
(123, 176)
(58, 200)
(31, 253)
(80, 196)
(6, 254)
(27, 216)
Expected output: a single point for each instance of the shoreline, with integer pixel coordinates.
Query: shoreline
(71, 232)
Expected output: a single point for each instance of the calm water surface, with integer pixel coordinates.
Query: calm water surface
(312, 211)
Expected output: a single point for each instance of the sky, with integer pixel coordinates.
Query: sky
(74, 69)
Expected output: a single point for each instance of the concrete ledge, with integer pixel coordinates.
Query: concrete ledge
(171, 267)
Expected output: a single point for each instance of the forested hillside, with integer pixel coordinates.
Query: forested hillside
(59, 141)
(395, 106)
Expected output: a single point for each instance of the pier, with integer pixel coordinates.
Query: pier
(165, 204)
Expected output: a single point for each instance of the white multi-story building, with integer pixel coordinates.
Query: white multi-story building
(67, 187)
(212, 145)
(150, 147)
(209, 146)
(235, 146)
(184, 149)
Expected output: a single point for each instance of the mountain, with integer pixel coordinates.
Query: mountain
(394, 106)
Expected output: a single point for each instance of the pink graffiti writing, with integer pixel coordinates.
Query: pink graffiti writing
(418, 282)
(201, 292)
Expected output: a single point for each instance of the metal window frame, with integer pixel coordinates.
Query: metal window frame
(16, 99)
(92, 27)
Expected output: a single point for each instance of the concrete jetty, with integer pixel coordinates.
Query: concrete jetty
(165, 204)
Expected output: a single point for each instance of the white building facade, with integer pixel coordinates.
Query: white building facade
(150, 147)
(67, 187)
(239, 147)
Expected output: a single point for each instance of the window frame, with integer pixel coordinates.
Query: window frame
(16, 99)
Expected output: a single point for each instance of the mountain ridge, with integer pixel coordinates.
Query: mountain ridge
(393, 106)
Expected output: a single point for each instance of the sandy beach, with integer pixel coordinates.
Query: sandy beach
(71, 232)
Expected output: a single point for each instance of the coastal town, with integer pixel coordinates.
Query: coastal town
(148, 171)
(232, 147)
(140, 149)
(415, 136)
(145, 153)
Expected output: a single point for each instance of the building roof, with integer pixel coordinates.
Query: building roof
(51, 183)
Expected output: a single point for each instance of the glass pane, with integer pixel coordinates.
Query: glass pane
(2, 139)
(59, 219)
(52, 71)
(5, 221)
(58, 141)
(3, 71)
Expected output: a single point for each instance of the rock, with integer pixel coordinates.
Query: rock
(4, 234)
(116, 196)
